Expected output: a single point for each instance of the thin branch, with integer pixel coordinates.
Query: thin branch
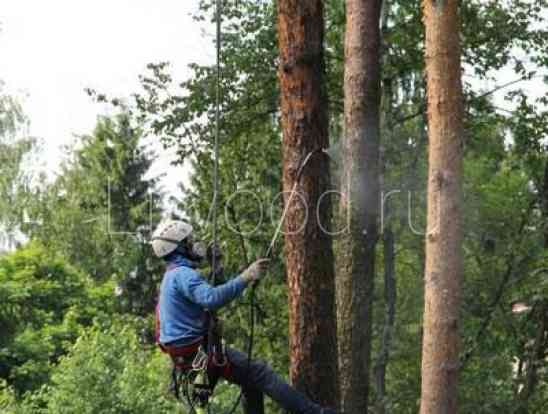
(507, 277)
(422, 110)
(498, 88)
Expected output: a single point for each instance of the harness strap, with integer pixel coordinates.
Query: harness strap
(178, 351)
(182, 356)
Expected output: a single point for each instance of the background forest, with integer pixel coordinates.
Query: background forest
(77, 295)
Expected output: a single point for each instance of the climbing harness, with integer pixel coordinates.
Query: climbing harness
(195, 376)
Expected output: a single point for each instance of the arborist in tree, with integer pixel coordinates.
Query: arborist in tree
(185, 302)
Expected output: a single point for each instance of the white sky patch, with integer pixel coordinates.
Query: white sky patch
(52, 50)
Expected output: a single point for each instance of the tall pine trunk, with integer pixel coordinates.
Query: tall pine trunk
(360, 204)
(444, 258)
(308, 250)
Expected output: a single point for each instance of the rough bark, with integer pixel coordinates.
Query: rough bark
(360, 205)
(390, 297)
(389, 249)
(308, 250)
(444, 258)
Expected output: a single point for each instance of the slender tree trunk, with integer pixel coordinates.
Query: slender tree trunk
(360, 205)
(534, 356)
(389, 249)
(308, 250)
(444, 258)
(390, 297)
(544, 203)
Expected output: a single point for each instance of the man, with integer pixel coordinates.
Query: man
(184, 300)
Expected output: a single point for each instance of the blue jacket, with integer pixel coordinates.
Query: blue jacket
(184, 297)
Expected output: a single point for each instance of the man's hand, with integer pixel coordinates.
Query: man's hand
(256, 271)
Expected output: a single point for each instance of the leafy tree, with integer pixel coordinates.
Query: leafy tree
(15, 149)
(109, 371)
(99, 211)
(8, 400)
(45, 302)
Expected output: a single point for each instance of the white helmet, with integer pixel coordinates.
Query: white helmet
(168, 235)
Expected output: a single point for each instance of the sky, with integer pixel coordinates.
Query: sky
(50, 51)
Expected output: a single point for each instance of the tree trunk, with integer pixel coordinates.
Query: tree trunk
(308, 250)
(444, 258)
(360, 205)
(534, 353)
(544, 204)
(390, 298)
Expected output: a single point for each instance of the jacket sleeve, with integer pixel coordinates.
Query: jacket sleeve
(197, 290)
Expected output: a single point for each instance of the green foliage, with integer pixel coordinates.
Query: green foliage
(11, 114)
(45, 303)
(109, 371)
(15, 149)
(8, 400)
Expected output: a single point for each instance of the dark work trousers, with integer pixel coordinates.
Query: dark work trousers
(259, 380)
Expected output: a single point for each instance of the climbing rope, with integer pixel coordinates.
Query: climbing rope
(214, 205)
(218, 16)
